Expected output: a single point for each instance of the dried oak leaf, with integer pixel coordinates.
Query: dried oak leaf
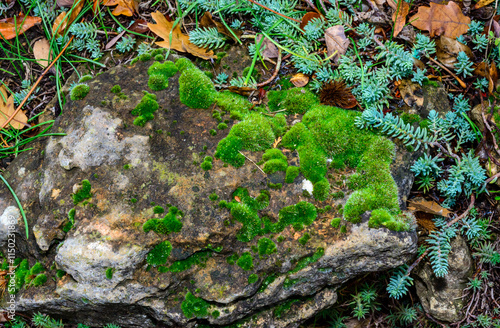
(123, 7)
(180, 41)
(446, 20)
(447, 50)
(7, 109)
(420, 204)
(299, 80)
(336, 42)
(208, 21)
(482, 3)
(65, 19)
(17, 25)
(337, 94)
(401, 10)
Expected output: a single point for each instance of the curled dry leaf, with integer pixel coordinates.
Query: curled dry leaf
(123, 7)
(244, 91)
(482, 3)
(208, 21)
(41, 51)
(336, 42)
(420, 204)
(307, 17)
(447, 20)
(65, 19)
(447, 50)
(17, 25)
(299, 80)
(180, 41)
(488, 72)
(268, 49)
(7, 109)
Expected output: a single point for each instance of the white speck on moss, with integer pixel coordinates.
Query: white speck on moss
(307, 185)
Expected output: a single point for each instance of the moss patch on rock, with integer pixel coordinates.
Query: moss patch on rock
(196, 90)
(145, 109)
(170, 223)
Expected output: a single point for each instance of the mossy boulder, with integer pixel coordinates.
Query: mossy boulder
(159, 240)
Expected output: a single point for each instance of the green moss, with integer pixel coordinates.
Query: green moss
(37, 268)
(255, 132)
(275, 186)
(284, 307)
(215, 314)
(213, 132)
(79, 91)
(209, 74)
(71, 220)
(145, 109)
(159, 74)
(60, 273)
(305, 238)
(216, 115)
(280, 239)
(39, 280)
(193, 306)
(196, 90)
(296, 100)
(157, 82)
(157, 51)
(206, 165)
(338, 195)
(411, 119)
(232, 259)
(274, 165)
(109, 273)
(159, 57)
(245, 261)
(145, 57)
(116, 89)
(273, 153)
(82, 193)
(306, 261)
(158, 209)
(228, 150)
(343, 229)
(253, 278)
(170, 223)
(133, 61)
(198, 258)
(208, 159)
(85, 78)
(133, 200)
(335, 222)
(266, 246)
(184, 63)
(321, 190)
(213, 197)
(222, 126)
(159, 254)
(292, 172)
(126, 167)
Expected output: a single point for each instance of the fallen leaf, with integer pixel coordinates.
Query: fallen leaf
(401, 10)
(236, 198)
(244, 91)
(420, 204)
(17, 25)
(7, 109)
(493, 79)
(307, 17)
(447, 20)
(299, 80)
(180, 41)
(482, 3)
(208, 21)
(123, 7)
(496, 26)
(139, 26)
(65, 3)
(65, 19)
(267, 49)
(336, 42)
(447, 50)
(41, 51)
(411, 93)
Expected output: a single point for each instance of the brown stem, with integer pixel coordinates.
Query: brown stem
(462, 83)
(276, 70)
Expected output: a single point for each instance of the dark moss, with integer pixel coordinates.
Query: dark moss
(213, 197)
(170, 223)
(159, 254)
(213, 132)
(116, 89)
(232, 259)
(60, 273)
(158, 209)
(253, 278)
(215, 314)
(305, 238)
(338, 195)
(79, 91)
(193, 306)
(82, 193)
(269, 280)
(198, 258)
(266, 246)
(306, 261)
(280, 239)
(284, 307)
(276, 186)
(245, 261)
(343, 229)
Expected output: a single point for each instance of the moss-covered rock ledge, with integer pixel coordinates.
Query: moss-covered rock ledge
(171, 202)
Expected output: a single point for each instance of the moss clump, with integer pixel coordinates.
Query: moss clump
(280, 239)
(213, 132)
(60, 273)
(269, 280)
(213, 197)
(85, 78)
(292, 172)
(79, 91)
(411, 119)
(275, 161)
(338, 195)
(159, 254)
(196, 90)
(206, 165)
(266, 246)
(296, 100)
(145, 57)
(228, 150)
(170, 223)
(157, 82)
(284, 307)
(215, 314)
(109, 273)
(275, 186)
(178, 266)
(158, 210)
(193, 306)
(304, 262)
(231, 259)
(71, 220)
(39, 280)
(305, 238)
(343, 229)
(273, 153)
(82, 193)
(159, 57)
(184, 63)
(34, 276)
(116, 89)
(245, 261)
(233, 103)
(298, 215)
(335, 222)
(255, 131)
(222, 126)
(159, 73)
(321, 190)
(145, 109)
(253, 278)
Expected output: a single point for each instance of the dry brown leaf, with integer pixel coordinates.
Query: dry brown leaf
(408, 91)
(65, 19)
(268, 49)
(41, 51)
(139, 26)
(401, 10)
(427, 206)
(7, 109)
(65, 3)
(236, 198)
(336, 42)
(123, 7)
(493, 79)
(482, 3)
(180, 41)
(17, 25)
(299, 80)
(244, 91)
(447, 20)
(307, 17)
(208, 21)
(447, 50)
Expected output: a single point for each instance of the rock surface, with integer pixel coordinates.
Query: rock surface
(131, 169)
(442, 297)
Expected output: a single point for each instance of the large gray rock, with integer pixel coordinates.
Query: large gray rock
(442, 297)
(130, 167)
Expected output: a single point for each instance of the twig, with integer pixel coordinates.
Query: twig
(462, 83)
(276, 70)
(310, 3)
(277, 13)
(36, 84)
(254, 163)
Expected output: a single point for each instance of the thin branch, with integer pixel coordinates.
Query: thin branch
(254, 163)
(276, 70)
(462, 83)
